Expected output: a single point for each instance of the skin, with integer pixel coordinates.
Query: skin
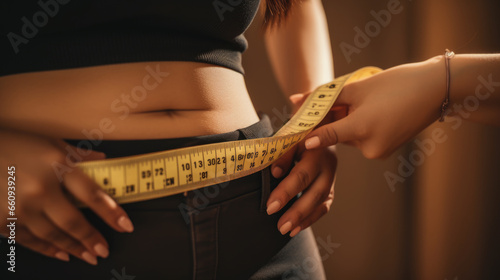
(300, 54)
(39, 109)
(390, 108)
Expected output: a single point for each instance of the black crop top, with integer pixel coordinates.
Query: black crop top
(42, 35)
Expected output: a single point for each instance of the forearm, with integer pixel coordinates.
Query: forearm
(300, 50)
(474, 86)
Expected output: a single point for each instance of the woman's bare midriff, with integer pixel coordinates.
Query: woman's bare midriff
(146, 100)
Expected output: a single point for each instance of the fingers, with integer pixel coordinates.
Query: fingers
(341, 127)
(318, 212)
(310, 206)
(346, 95)
(44, 229)
(330, 134)
(336, 113)
(300, 177)
(281, 166)
(68, 218)
(87, 191)
(51, 225)
(30, 241)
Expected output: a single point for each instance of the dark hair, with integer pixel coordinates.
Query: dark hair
(276, 11)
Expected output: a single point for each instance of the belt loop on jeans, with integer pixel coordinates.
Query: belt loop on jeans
(266, 188)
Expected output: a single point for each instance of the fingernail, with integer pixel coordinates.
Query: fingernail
(286, 227)
(109, 201)
(88, 257)
(296, 97)
(273, 207)
(312, 142)
(125, 224)
(101, 250)
(295, 231)
(277, 172)
(62, 256)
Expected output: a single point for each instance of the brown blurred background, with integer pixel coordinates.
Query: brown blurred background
(443, 221)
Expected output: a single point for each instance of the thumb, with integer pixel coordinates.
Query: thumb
(330, 134)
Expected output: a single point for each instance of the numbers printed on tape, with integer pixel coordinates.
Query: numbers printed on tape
(147, 176)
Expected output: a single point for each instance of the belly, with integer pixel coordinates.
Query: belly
(146, 100)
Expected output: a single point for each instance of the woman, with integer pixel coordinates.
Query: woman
(142, 77)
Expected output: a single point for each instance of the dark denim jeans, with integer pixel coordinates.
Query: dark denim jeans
(217, 232)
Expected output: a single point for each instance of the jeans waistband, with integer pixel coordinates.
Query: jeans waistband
(208, 195)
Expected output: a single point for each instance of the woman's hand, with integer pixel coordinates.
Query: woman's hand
(313, 175)
(386, 110)
(47, 222)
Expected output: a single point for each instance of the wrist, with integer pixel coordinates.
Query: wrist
(464, 71)
(434, 78)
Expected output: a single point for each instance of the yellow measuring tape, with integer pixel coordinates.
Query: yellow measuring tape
(153, 175)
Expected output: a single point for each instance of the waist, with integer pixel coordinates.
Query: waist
(146, 100)
(240, 187)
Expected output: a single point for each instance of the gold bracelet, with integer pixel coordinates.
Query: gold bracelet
(447, 56)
